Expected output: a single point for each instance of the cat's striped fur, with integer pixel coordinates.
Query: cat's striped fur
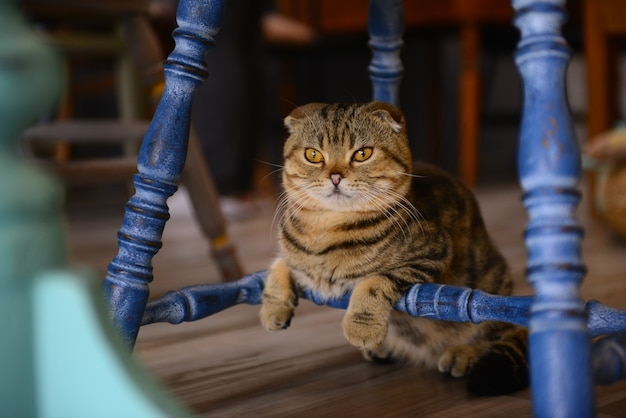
(358, 215)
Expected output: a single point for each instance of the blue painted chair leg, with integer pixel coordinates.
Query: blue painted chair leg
(161, 160)
(386, 26)
(549, 164)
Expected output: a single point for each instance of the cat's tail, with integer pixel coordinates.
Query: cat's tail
(503, 368)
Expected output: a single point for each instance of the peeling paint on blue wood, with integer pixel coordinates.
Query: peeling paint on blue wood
(426, 300)
(549, 168)
(197, 302)
(160, 164)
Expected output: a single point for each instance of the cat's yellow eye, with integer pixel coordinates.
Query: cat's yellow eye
(362, 154)
(312, 155)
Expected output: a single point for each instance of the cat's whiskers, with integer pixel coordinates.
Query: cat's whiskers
(411, 210)
(279, 166)
(292, 202)
(388, 210)
(404, 173)
(271, 173)
(288, 202)
(280, 207)
(403, 203)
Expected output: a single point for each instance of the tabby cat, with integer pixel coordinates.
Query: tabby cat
(359, 216)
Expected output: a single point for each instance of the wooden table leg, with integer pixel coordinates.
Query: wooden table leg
(469, 103)
(601, 59)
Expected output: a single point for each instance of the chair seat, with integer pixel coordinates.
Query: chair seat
(88, 131)
(94, 171)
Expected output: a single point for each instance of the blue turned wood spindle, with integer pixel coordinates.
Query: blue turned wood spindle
(549, 164)
(386, 26)
(161, 160)
(426, 300)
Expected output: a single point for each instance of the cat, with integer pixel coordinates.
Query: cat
(358, 215)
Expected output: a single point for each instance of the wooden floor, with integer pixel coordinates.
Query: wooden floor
(228, 366)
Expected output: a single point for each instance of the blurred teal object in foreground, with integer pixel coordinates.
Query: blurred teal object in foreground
(59, 356)
(31, 238)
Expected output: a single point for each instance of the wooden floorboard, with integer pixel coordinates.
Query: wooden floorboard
(228, 366)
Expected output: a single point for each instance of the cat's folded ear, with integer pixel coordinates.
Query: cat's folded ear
(389, 113)
(299, 113)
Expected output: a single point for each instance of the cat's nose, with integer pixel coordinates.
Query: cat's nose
(335, 178)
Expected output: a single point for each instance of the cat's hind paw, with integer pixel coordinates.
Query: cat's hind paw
(501, 371)
(457, 361)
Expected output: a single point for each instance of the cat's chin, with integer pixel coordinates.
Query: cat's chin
(346, 204)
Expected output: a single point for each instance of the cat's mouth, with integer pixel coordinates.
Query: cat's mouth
(337, 192)
(339, 199)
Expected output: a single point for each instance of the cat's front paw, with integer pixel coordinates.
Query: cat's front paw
(457, 361)
(364, 330)
(275, 316)
(279, 298)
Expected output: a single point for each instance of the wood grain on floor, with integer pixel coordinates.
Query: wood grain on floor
(228, 366)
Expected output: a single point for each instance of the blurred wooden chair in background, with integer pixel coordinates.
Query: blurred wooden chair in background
(117, 36)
